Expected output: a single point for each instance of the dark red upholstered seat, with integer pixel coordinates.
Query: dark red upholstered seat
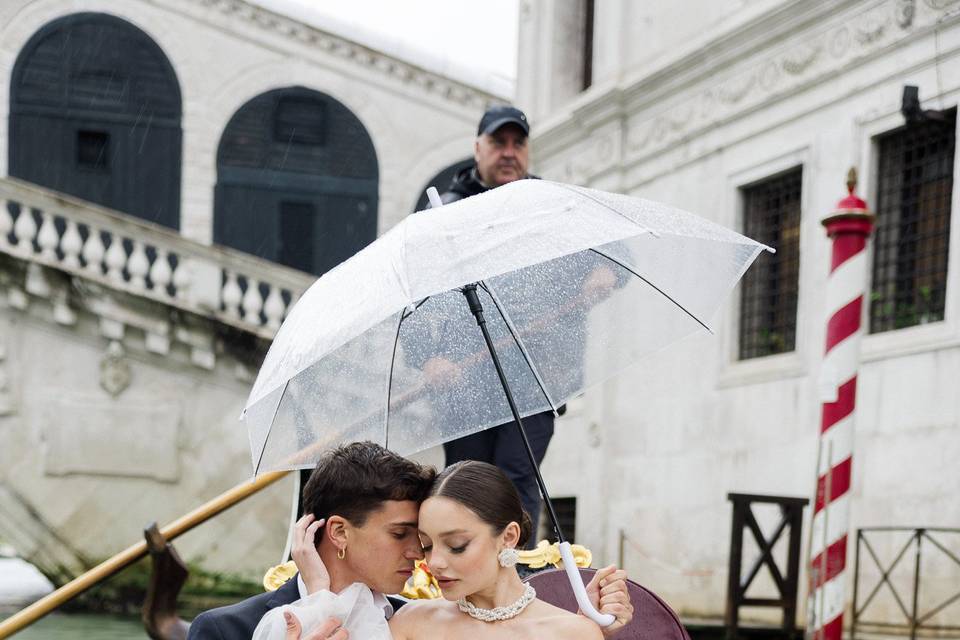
(652, 618)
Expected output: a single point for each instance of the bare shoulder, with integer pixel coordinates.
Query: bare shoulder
(413, 618)
(581, 628)
(564, 624)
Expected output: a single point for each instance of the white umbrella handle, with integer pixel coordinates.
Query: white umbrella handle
(434, 196)
(580, 591)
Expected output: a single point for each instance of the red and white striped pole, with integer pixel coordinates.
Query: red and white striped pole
(848, 226)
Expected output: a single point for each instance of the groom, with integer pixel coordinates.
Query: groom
(367, 499)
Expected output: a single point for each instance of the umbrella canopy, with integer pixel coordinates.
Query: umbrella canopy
(576, 285)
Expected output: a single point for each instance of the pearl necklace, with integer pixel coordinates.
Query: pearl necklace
(499, 613)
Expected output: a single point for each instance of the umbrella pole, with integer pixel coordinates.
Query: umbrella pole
(569, 565)
(473, 300)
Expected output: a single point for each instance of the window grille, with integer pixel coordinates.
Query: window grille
(768, 300)
(910, 244)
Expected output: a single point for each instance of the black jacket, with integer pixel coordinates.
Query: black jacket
(238, 621)
(465, 183)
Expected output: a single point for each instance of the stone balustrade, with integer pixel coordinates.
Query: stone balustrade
(144, 259)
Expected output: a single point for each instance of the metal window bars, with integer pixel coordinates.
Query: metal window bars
(912, 236)
(768, 299)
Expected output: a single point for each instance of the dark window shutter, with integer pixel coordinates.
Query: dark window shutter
(299, 121)
(93, 150)
(95, 113)
(297, 179)
(297, 225)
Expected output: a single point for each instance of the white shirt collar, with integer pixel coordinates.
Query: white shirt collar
(378, 598)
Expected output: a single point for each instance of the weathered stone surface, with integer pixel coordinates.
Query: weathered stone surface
(696, 109)
(99, 436)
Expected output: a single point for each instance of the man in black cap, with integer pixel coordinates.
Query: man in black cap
(501, 155)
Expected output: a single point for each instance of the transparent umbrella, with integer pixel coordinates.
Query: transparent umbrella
(571, 284)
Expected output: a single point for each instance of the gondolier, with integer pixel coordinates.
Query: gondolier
(501, 155)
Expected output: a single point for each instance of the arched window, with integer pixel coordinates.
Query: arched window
(442, 181)
(95, 112)
(296, 181)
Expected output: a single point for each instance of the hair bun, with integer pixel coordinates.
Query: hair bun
(488, 492)
(526, 529)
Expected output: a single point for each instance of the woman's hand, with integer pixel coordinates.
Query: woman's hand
(608, 593)
(304, 553)
(330, 629)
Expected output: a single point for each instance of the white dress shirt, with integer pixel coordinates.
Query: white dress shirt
(378, 598)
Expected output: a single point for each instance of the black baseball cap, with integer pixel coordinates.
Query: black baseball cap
(496, 117)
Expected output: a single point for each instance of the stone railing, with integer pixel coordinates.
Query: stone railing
(144, 259)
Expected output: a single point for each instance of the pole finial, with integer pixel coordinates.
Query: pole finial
(851, 214)
(852, 180)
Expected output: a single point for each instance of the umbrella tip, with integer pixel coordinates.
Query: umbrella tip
(434, 196)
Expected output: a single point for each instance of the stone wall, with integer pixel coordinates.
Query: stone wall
(119, 403)
(661, 445)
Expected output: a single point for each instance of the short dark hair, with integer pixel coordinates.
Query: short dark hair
(488, 492)
(354, 480)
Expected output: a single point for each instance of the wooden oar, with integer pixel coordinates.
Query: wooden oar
(133, 553)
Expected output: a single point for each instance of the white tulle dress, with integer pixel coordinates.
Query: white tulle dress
(354, 607)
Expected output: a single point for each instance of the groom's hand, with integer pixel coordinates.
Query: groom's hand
(304, 553)
(330, 629)
(608, 593)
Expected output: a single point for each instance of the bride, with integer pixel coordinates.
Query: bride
(470, 527)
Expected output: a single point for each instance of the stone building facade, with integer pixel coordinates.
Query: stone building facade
(129, 334)
(751, 112)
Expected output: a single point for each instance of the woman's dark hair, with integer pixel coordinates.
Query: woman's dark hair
(485, 490)
(355, 480)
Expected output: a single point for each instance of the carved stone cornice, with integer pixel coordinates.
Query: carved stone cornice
(773, 57)
(365, 58)
(598, 154)
(784, 67)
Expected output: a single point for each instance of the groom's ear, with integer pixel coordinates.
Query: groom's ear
(336, 531)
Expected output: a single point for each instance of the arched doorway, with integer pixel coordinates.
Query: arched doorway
(297, 178)
(95, 113)
(442, 181)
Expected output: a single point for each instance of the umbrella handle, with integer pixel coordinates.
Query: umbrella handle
(576, 582)
(434, 197)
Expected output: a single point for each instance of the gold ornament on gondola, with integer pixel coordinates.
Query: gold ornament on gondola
(545, 553)
(276, 576)
(421, 585)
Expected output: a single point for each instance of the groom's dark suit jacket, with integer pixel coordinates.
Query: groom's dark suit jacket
(238, 621)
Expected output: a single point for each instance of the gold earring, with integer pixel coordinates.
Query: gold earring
(342, 553)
